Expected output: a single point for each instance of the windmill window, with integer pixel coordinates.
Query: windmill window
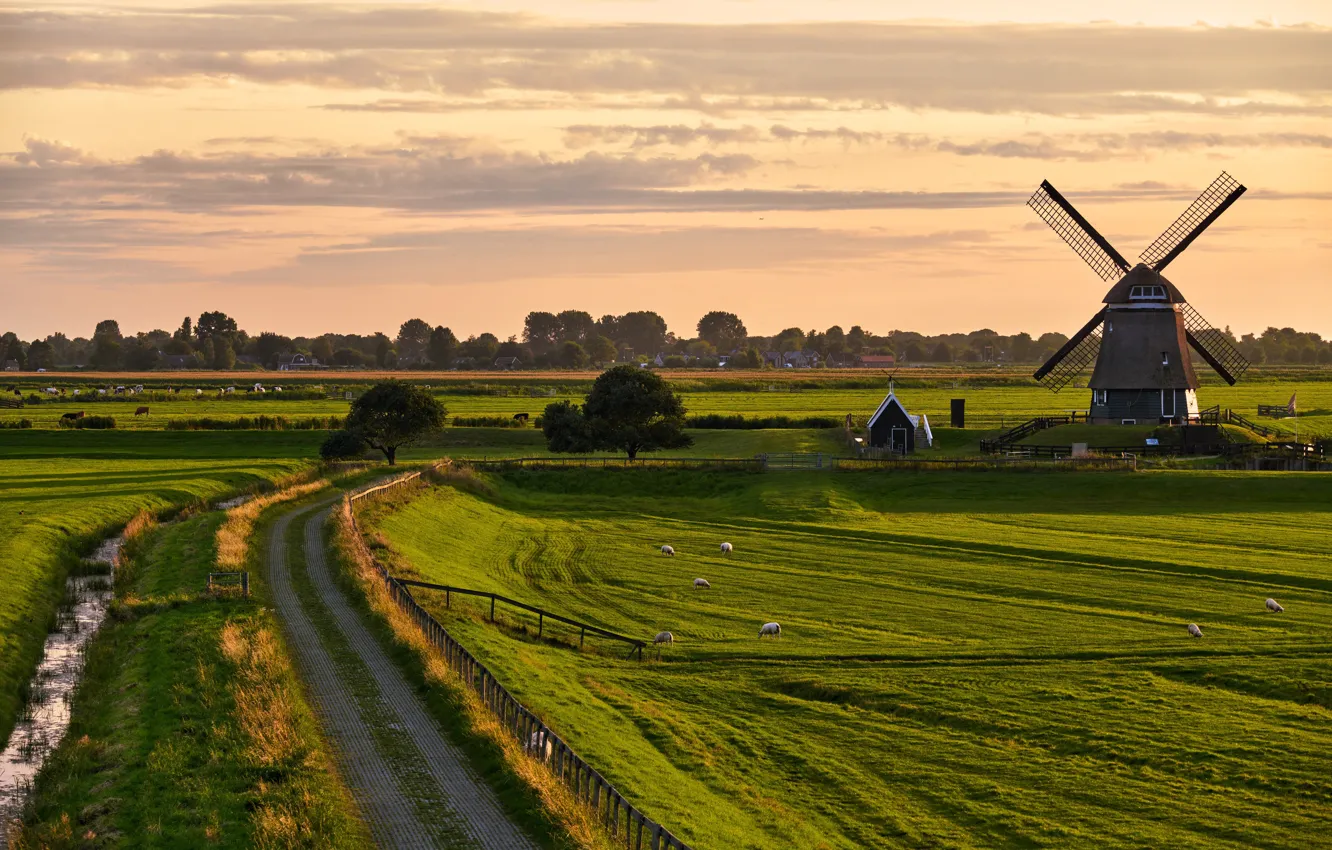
(1147, 293)
(1098, 396)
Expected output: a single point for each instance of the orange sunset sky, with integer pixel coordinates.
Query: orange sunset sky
(310, 167)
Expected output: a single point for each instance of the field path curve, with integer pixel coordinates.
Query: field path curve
(413, 786)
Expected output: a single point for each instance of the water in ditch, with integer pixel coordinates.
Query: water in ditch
(45, 715)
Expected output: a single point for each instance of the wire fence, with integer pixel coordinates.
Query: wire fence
(627, 826)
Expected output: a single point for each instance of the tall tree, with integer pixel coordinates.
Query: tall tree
(106, 353)
(572, 355)
(185, 331)
(382, 348)
(413, 341)
(322, 349)
(268, 345)
(41, 355)
(541, 331)
(644, 331)
(108, 328)
(481, 348)
(443, 347)
(14, 351)
(629, 409)
(724, 330)
(394, 414)
(791, 339)
(214, 324)
(141, 355)
(855, 339)
(601, 350)
(576, 325)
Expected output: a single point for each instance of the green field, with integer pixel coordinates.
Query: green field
(967, 659)
(60, 493)
(989, 406)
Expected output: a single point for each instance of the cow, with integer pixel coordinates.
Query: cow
(71, 416)
(520, 417)
(141, 410)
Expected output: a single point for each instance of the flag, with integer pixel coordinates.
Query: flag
(1290, 408)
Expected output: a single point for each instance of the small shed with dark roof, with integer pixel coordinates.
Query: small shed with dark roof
(892, 428)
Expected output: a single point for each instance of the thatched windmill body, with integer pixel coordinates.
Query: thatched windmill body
(1141, 339)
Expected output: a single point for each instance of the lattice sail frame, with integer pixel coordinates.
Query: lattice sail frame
(1204, 210)
(1090, 245)
(1219, 352)
(1073, 357)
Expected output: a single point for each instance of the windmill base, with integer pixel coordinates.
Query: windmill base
(1143, 406)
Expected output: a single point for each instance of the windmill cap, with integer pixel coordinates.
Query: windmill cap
(1141, 275)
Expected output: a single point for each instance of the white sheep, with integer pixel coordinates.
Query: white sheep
(773, 629)
(701, 582)
(667, 550)
(1194, 630)
(535, 748)
(1274, 606)
(663, 637)
(726, 548)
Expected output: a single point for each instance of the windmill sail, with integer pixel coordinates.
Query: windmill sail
(1205, 209)
(1074, 356)
(1091, 246)
(1213, 345)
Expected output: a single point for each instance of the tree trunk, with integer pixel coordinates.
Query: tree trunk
(633, 452)
(391, 452)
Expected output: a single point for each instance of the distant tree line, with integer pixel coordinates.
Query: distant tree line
(571, 339)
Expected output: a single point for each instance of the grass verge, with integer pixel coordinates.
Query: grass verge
(190, 728)
(528, 793)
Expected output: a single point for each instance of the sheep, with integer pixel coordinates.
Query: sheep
(773, 629)
(535, 748)
(1274, 606)
(701, 582)
(726, 548)
(667, 550)
(663, 637)
(1194, 630)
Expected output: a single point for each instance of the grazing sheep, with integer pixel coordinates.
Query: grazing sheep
(1274, 606)
(701, 582)
(663, 637)
(1195, 631)
(726, 548)
(773, 629)
(667, 550)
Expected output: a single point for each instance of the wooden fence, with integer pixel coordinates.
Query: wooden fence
(755, 464)
(635, 645)
(628, 826)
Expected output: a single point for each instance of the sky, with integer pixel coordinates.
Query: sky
(310, 167)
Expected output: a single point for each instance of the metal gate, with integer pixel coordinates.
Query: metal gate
(790, 461)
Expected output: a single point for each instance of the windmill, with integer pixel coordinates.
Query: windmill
(1141, 338)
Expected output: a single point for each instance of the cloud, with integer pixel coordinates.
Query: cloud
(586, 135)
(453, 54)
(47, 152)
(1082, 146)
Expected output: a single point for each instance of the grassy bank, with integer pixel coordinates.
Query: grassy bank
(967, 660)
(61, 492)
(190, 728)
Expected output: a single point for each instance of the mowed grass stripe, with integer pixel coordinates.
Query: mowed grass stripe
(1014, 672)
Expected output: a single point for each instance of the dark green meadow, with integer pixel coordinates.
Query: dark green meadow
(967, 660)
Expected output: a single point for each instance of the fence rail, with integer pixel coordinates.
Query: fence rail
(616, 462)
(542, 614)
(628, 826)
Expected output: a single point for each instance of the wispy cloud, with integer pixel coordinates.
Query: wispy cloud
(455, 54)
